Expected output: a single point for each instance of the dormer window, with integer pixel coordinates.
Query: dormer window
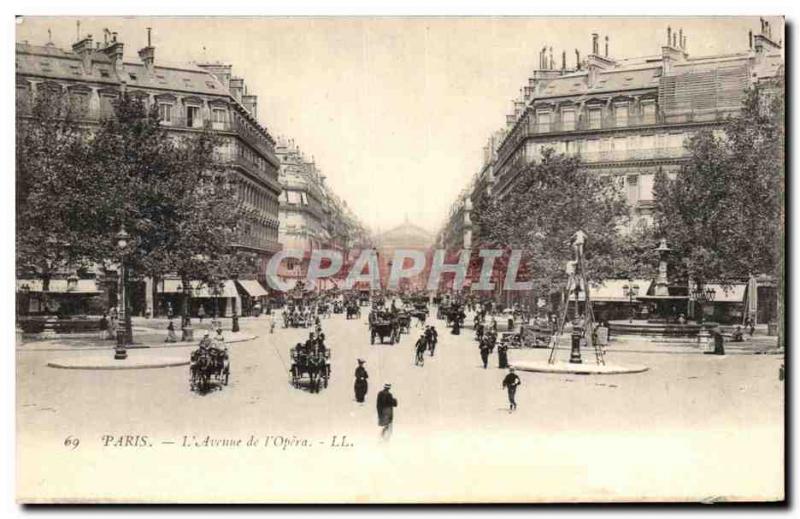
(104, 73)
(133, 76)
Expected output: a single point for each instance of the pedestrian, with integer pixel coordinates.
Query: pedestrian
(171, 337)
(360, 386)
(510, 383)
(420, 347)
(103, 326)
(169, 310)
(201, 312)
(385, 404)
(484, 349)
(502, 356)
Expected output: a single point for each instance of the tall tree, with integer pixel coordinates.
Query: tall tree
(723, 211)
(552, 200)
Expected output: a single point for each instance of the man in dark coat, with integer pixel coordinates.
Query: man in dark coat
(386, 403)
(484, 348)
(360, 386)
(511, 382)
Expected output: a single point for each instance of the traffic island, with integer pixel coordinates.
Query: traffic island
(137, 359)
(578, 368)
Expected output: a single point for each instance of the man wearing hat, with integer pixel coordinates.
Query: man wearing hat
(386, 403)
(360, 386)
(511, 382)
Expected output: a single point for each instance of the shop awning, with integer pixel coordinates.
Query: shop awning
(199, 289)
(252, 287)
(613, 291)
(228, 290)
(730, 294)
(60, 286)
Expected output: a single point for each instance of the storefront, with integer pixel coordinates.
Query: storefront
(253, 296)
(224, 299)
(63, 297)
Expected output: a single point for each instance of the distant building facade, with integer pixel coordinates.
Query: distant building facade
(312, 216)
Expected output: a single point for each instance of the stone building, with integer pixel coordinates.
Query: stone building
(312, 216)
(626, 118)
(629, 118)
(189, 97)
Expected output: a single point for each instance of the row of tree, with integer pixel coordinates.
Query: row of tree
(721, 213)
(78, 185)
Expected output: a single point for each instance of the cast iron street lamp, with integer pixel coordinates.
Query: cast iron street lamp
(187, 334)
(122, 243)
(631, 290)
(216, 289)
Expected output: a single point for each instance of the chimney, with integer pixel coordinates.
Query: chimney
(669, 35)
(577, 59)
(680, 37)
(595, 47)
(237, 88)
(114, 51)
(606, 46)
(750, 39)
(83, 49)
(250, 103)
(551, 59)
(148, 54)
(564, 60)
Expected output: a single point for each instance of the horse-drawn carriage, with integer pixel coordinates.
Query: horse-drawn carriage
(207, 367)
(451, 314)
(403, 322)
(314, 364)
(353, 310)
(383, 327)
(296, 320)
(324, 309)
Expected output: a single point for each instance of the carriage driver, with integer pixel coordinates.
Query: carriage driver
(205, 342)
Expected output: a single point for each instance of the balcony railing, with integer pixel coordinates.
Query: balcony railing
(638, 154)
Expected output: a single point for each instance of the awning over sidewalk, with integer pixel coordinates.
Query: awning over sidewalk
(60, 286)
(252, 287)
(613, 290)
(731, 294)
(199, 289)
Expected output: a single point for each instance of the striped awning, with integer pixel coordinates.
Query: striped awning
(252, 287)
(199, 289)
(60, 286)
(613, 290)
(730, 294)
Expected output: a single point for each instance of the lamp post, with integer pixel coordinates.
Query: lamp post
(187, 333)
(631, 290)
(122, 243)
(215, 288)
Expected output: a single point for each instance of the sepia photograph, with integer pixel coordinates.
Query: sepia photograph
(399, 259)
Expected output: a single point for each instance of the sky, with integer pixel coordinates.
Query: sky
(395, 111)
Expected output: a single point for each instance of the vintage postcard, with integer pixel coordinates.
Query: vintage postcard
(400, 259)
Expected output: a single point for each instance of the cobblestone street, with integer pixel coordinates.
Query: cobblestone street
(691, 420)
